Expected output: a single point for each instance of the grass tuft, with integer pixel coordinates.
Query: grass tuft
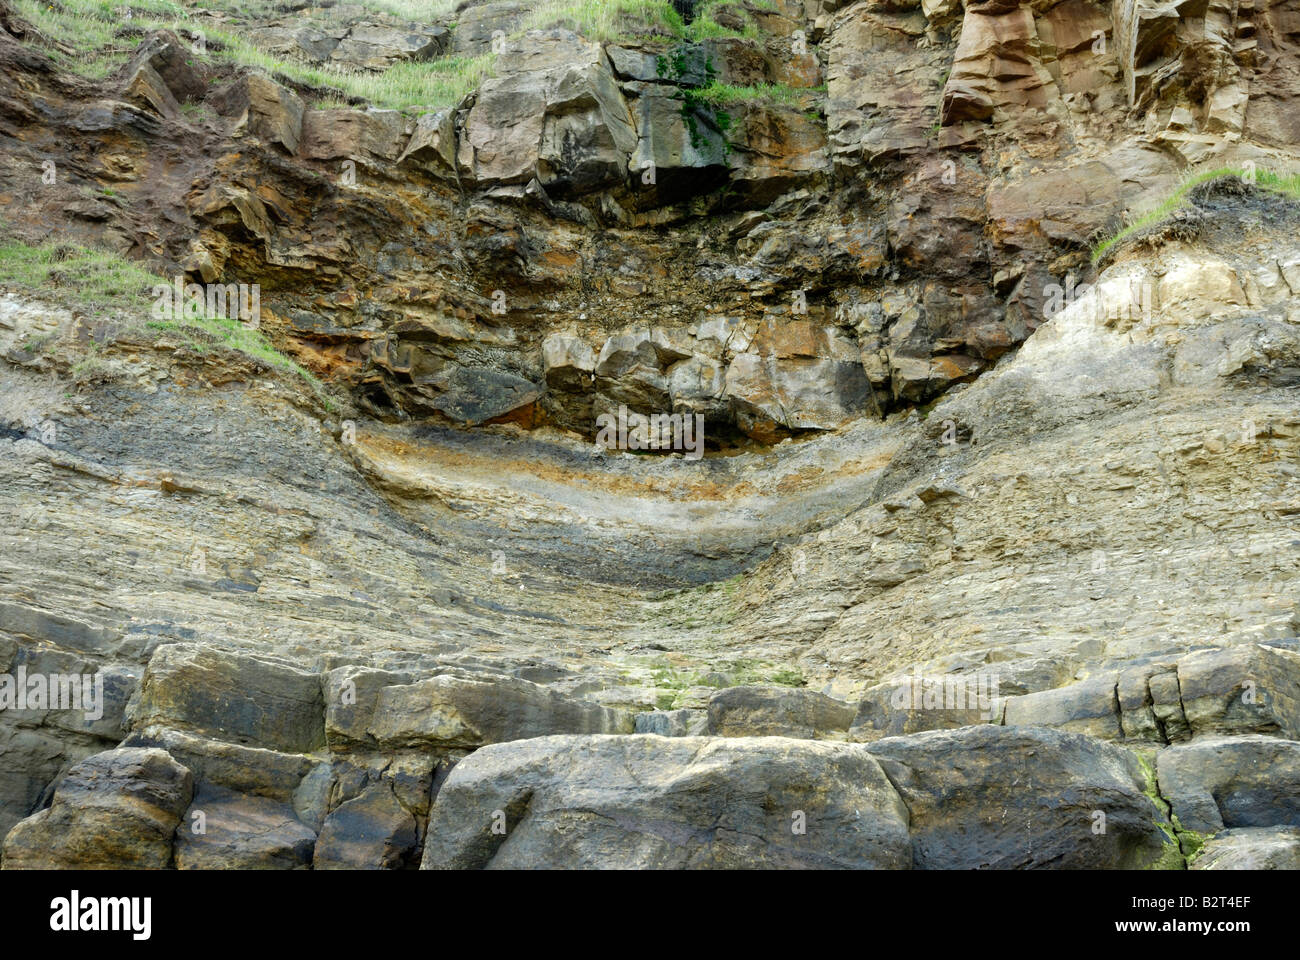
(103, 40)
(105, 286)
(1180, 197)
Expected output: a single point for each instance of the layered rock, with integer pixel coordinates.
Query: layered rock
(997, 572)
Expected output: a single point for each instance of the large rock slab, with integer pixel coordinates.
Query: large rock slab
(778, 712)
(264, 108)
(1090, 706)
(458, 712)
(649, 802)
(1217, 782)
(1022, 798)
(1247, 689)
(918, 703)
(116, 810)
(30, 760)
(554, 112)
(242, 699)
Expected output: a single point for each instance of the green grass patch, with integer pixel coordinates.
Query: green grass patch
(93, 28)
(606, 20)
(1179, 198)
(721, 94)
(95, 282)
(103, 285)
(705, 25)
(614, 20)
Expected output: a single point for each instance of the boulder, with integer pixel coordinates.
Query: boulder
(1216, 782)
(372, 46)
(679, 152)
(263, 107)
(569, 362)
(649, 802)
(247, 770)
(553, 113)
(30, 761)
(1089, 706)
(331, 134)
(770, 392)
(1022, 798)
(433, 143)
(167, 57)
(1251, 688)
(914, 704)
(117, 810)
(778, 149)
(475, 395)
(145, 88)
(372, 831)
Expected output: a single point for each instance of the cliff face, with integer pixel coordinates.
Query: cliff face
(361, 590)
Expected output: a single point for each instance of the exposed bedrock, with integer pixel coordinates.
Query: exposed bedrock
(989, 559)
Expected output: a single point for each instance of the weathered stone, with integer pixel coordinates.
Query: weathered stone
(1251, 848)
(241, 833)
(329, 134)
(1217, 782)
(464, 712)
(233, 697)
(376, 47)
(778, 712)
(1089, 706)
(570, 363)
(667, 803)
(170, 59)
(369, 832)
(1247, 689)
(433, 142)
(1021, 797)
(557, 115)
(244, 770)
(146, 89)
(265, 108)
(30, 761)
(673, 723)
(914, 704)
(115, 810)
(476, 395)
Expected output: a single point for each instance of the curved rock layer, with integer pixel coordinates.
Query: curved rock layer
(962, 581)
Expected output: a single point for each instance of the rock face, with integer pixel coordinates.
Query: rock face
(986, 556)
